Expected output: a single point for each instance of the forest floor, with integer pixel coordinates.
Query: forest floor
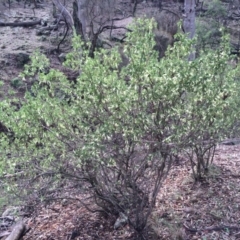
(185, 210)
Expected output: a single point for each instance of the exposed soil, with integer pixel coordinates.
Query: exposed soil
(15, 40)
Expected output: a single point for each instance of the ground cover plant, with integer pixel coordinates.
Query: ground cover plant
(115, 132)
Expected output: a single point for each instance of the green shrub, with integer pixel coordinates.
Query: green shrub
(16, 82)
(115, 131)
(209, 24)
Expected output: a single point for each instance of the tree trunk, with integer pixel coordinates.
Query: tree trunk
(77, 23)
(189, 22)
(62, 9)
(82, 16)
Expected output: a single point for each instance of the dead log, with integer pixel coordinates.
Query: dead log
(19, 24)
(17, 231)
(231, 142)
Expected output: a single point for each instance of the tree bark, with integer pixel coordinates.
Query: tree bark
(19, 24)
(189, 22)
(67, 16)
(82, 15)
(77, 23)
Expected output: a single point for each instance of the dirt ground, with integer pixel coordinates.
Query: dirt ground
(15, 40)
(184, 211)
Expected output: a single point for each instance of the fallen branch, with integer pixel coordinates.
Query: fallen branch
(48, 28)
(17, 231)
(230, 142)
(19, 24)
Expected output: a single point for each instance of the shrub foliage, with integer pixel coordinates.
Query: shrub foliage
(114, 133)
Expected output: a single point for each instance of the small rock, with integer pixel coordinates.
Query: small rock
(62, 57)
(43, 38)
(121, 221)
(194, 199)
(43, 22)
(39, 32)
(64, 202)
(196, 238)
(189, 210)
(46, 33)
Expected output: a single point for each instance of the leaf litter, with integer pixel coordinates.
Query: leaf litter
(184, 209)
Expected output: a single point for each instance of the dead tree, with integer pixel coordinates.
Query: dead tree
(93, 17)
(90, 18)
